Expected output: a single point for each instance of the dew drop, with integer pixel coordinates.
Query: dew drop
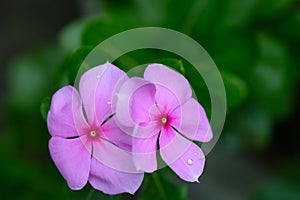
(98, 76)
(195, 154)
(109, 102)
(190, 161)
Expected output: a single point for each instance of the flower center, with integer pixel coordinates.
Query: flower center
(93, 134)
(164, 120)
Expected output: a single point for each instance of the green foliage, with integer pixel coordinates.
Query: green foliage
(156, 186)
(71, 66)
(273, 77)
(236, 89)
(45, 106)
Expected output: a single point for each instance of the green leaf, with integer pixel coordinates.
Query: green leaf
(284, 184)
(235, 51)
(252, 128)
(156, 186)
(289, 28)
(30, 76)
(99, 29)
(45, 106)
(272, 8)
(236, 89)
(96, 194)
(151, 12)
(272, 80)
(71, 66)
(238, 13)
(70, 36)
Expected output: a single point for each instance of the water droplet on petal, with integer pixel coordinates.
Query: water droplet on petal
(109, 102)
(98, 76)
(190, 161)
(195, 154)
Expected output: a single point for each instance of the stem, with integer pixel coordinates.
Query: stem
(159, 185)
(90, 195)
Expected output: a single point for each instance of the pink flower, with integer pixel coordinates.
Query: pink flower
(91, 149)
(160, 113)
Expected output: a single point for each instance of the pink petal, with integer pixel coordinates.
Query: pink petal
(166, 99)
(97, 87)
(114, 134)
(147, 130)
(184, 158)
(174, 81)
(144, 153)
(125, 104)
(112, 156)
(65, 118)
(111, 181)
(72, 158)
(194, 122)
(141, 101)
(167, 135)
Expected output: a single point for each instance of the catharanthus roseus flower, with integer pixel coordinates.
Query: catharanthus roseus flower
(86, 149)
(160, 113)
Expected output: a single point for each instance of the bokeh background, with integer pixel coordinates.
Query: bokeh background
(254, 43)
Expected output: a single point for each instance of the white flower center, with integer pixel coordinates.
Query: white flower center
(164, 120)
(93, 133)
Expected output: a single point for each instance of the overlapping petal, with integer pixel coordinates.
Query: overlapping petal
(193, 121)
(65, 118)
(175, 82)
(131, 104)
(141, 101)
(114, 134)
(166, 99)
(112, 181)
(144, 153)
(72, 158)
(112, 156)
(97, 87)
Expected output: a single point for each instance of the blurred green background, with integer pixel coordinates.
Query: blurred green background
(254, 43)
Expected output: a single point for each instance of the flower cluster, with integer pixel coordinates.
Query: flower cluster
(109, 132)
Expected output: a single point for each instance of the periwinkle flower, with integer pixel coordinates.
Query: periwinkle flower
(85, 149)
(158, 111)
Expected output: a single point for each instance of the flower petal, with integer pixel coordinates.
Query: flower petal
(97, 87)
(114, 134)
(190, 165)
(146, 131)
(184, 157)
(72, 158)
(144, 153)
(113, 156)
(174, 81)
(111, 181)
(166, 99)
(141, 101)
(193, 122)
(131, 111)
(65, 118)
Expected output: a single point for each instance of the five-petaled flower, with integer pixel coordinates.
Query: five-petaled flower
(158, 111)
(90, 148)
